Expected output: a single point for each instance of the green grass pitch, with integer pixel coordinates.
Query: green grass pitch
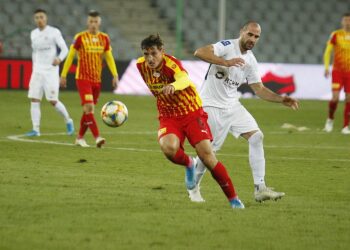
(128, 196)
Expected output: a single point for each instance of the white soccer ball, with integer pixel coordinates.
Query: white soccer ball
(114, 113)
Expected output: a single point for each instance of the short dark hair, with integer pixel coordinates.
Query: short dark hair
(152, 40)
(39, 11)
(94, 13)
(346, 14)
(245, 26)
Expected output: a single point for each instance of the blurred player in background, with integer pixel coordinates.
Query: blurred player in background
(181, 115)
(45, 76)
(232, 64)
(340, 42)
(91, 46)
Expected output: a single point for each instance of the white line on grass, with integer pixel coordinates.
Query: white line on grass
(22, 138)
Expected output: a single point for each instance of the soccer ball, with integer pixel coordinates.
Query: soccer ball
(114, 113)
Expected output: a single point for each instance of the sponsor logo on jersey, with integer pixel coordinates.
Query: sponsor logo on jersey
(161, 132)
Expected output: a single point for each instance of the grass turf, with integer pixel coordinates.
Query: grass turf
(128, 196)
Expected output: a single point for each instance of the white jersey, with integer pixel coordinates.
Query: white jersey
(221, 83)
(44, 44)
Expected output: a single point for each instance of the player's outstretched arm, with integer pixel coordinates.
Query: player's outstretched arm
(268, 95)
(206, 54)
(112, 67)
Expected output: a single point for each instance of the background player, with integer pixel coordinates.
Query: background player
(45, 76)
(91, 46)
(340, 42)
(232, 63)
(181, 115)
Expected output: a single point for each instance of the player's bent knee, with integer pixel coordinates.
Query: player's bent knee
(208, 158)
(169, 149)
(256, 138)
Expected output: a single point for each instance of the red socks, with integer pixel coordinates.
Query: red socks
(181, 158)
(220, 174)
(332, 107)
(346, 114)
(88, 120)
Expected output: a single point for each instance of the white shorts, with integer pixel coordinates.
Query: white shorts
(46, 82)
(236, 120)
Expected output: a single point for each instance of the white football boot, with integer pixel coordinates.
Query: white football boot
(195, 194)
(265, 193)
(100, 141)
(345, 130)
(81, 142)
(328, 127)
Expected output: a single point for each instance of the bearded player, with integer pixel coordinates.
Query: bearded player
(340, 43)
(181, 115)
(91, 46)
(232, 64)
(45, 76)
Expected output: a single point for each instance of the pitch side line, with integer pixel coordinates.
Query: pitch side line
(26, 139)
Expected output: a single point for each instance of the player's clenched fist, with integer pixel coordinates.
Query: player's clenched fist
(290, 102)
(63, 82)
(236, 62)
(168, 90)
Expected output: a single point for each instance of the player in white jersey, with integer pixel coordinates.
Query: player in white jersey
(232, 64)
(45, 75)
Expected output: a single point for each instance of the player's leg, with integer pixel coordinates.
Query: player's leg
(333, 103)
(51, 89)
(171, 140)
(35, 94)
(199, 136)
(346, 129)
(96, 90)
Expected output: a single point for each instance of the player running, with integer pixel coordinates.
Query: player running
(181, 115)
(232, 64)
(340, 42)
(91, 46)
(45, 76)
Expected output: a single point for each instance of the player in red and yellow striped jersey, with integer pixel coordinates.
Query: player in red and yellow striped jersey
(181, 115)
(91, 46)
(339, 42)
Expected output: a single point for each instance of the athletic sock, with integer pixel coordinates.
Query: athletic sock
(61, 109)
(91, 122)
(35, 115)
(346, 114)
(332, 107)
(257, 158)
(83, 126)
(181, 158)
(200, 170)
(220, 174)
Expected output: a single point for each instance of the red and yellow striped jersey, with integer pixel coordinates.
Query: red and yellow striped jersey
(182, 101)
(340, 39)
(90, 50)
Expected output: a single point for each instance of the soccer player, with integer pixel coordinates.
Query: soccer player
(232, 64)
(181, 115)
(91, 46)
(45, 76)
(340, 42)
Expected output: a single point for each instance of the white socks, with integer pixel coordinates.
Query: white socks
(36, 115)
(200, 170)
(61, 109)
(257, 158)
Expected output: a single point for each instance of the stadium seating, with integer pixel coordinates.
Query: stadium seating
(290, 33)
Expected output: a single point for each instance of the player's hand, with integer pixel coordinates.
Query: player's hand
(115, 82)
(326, 73)
(63, 82)
(56, 61)
(235, 62)
(290, 102)
(168, 90)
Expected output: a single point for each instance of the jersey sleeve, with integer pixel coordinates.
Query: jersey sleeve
(77, 42)
(181, 77)
(253, 75)
(108, 44)
(61, 44)
(221, 48)
(333, 38)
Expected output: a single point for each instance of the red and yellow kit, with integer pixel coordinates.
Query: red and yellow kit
(91, 49)
(185, 99)
(180, 113)
(339, 42)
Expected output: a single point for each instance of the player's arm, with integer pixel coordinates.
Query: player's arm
(268, 95)
(112, 67)
(66, 66)
(63, 49)
(327, 57)
(207, 54)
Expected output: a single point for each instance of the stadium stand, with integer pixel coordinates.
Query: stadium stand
(290, 33)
